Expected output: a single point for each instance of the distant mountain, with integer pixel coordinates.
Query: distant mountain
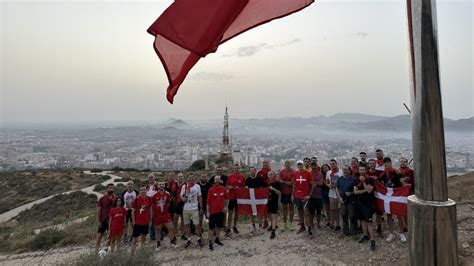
(174, 124)
(356, 117)
(347, 121)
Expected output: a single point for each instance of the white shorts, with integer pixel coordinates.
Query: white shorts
(191, 215)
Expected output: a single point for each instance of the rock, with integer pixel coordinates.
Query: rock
(465, 245)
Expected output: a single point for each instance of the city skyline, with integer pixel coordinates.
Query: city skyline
(98, 64)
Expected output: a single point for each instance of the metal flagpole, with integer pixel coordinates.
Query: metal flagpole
(432, 215)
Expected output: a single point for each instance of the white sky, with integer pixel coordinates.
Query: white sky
(93, 61)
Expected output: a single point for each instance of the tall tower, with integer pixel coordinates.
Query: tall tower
(225, 135)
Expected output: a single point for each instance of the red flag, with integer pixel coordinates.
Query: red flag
(252, 201)
(391, 200)
(191, 29)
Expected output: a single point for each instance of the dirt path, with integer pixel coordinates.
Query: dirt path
(4, 217)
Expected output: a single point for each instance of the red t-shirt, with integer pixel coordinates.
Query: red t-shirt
(117, 215)
(160, 203)
(142, 210)
(105, 203)
(355, 171)
(287, 176)
(407, 172)
(263, 174)
(172, 187)
(216, 197)
(302, 182)
(235, 180)
(373, 174)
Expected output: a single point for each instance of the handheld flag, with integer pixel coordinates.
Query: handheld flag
(391, 200)
(252, 201)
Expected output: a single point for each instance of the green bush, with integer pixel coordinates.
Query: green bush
(143, 256)
(99, 188)
(47, 239)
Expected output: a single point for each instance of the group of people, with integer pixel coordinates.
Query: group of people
(321, 192)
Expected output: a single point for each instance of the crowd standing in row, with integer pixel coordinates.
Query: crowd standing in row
(346, 192)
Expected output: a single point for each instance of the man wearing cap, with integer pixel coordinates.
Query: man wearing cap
(303, 182)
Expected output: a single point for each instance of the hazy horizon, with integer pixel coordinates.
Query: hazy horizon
(81, 62)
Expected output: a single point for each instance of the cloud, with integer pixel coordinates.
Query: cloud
(246, 51)
(361, 34)
(211, 76)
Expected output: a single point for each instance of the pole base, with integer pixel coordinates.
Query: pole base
(433, 232)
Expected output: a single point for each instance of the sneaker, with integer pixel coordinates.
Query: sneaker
(391, 237)
(302, 229)
(310, 234)
(218, 242)
(405, 230)
(403, 238)
(188, 243)
(235, 230)
(291, 227)
(337, 228)
(200, 243)
(184, 238)
(363, 239)
(265, 224)
(272, 236)
(173, 242)
(211, 248)
(227, 232)
(284, 228)
(372, 245)
(158, 245)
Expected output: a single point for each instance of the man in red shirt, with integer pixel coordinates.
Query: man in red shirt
(407, 173)
(355, 167)
(217, 200)
(286, 176)
(141, 218)
(263, 175)
(379, 167)
(303, 184)
(104, 205)
(160, 203)
(178, 205)
(234, 181)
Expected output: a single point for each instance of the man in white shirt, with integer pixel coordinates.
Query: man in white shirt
(331, 179)
(192, 198)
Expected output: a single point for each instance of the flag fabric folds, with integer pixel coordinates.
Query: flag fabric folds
(190, 29)
(392, 200)
(252, 201)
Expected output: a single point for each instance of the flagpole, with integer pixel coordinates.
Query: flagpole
(432, 215)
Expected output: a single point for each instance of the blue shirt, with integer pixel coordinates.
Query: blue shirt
(346, 184)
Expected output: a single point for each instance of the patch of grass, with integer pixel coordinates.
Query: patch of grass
(18, 188)
(99, 188)
(143, 256)
(47, 239)
(59, 209)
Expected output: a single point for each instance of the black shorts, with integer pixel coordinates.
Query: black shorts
(315, 206)
(364, 212)
(103, 227)
(300, 204)
(286, 199)
(140, 230)
(216, 220)
(272, 206)
(129, 216)
(179, 208)
(326, 199)
(232, 204)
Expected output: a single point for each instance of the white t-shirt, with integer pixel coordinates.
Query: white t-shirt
(191, 194)
(151, 190)
(128, 198)
(333, 180)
